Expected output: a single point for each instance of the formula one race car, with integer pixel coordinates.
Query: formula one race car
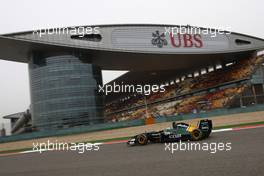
(179, 131)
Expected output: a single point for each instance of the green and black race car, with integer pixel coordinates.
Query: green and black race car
(179, 131)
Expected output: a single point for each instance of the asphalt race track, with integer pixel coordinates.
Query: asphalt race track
(245, 158)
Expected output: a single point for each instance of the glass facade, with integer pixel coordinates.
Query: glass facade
(64, 92)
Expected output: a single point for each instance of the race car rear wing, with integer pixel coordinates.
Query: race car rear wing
(205, 125)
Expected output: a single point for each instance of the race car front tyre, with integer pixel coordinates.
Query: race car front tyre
(196, 134)
(142, 139)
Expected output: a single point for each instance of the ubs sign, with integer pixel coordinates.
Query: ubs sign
(177, 41)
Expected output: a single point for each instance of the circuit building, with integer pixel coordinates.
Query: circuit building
(65, 66)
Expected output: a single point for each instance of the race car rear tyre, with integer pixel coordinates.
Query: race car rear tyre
(197, 134)
(142, 139)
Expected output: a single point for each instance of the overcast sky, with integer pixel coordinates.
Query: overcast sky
(243, 16)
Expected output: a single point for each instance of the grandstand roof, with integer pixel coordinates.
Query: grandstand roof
(131, 47)
(14, 116)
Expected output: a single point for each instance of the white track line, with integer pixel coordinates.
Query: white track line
(221, 130)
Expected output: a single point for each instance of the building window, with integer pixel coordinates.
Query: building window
(88, 37)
